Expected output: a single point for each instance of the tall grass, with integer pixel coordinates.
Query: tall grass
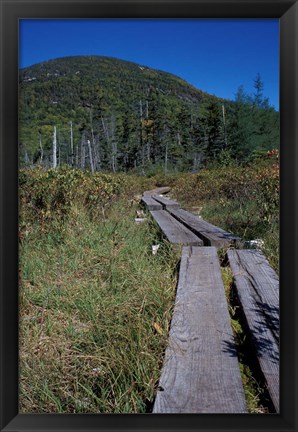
(95, 308)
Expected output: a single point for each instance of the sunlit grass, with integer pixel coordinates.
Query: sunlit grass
(241, 200)
(89, 298)
(95, 304)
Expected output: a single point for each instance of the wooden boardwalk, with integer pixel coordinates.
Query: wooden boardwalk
(157, 191)
(166, 202)
(174, 231)
(210, 234)
(257, 286)
(201, 372)
(150, 203)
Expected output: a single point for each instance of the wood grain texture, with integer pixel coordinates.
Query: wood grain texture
(150, 203)
(166, 202)
(173, 230)
(210, 234)
(200, 373)
(157, 191)
(257, 286)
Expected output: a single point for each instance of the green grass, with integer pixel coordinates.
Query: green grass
(95, 304)
(241, 200)
(90, 296)
(244, 222)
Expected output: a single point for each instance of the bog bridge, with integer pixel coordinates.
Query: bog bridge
(200, 372)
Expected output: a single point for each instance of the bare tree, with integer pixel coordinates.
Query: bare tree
(92, 135)
(224, 125)
(97, 155)
(41, 148)
(26, 156)
(55, 148)
(77, 155)
(147, 135)
(71, 145)
(178, 138)
(141, 112)
(114, 144)
(83, 152)
(166, 157)
(141, 135)
(165, 138)
(90, 156)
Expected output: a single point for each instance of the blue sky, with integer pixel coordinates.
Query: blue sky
(214, 55)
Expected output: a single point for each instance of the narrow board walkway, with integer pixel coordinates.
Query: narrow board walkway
(166, 202)
(157, 191)
(210, 234)
(150, 203)
(173, 230)
(257, 286)
(201, 372)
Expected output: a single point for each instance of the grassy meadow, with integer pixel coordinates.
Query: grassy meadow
(95, 304)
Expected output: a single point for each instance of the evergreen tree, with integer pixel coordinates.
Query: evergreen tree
(199, 144)
(215, 141)
(240, 125)
(258, 94)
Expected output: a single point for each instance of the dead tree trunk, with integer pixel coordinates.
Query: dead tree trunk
(93, 141)
(114, 145)
(147, 135)
(71, 145)
(224, 125)
(55, 148)
(83, 152)
(41, 148)
(77, 155)
(141, 135)
(90, 156)
(166, 158)
(178, 139)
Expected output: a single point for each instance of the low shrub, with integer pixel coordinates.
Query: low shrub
(243, 200)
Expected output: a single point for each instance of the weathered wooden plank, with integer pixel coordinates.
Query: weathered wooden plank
(257, 286)
(210, 234)
(166, 202)
(150, 203)
(200, 373)
(174, 231)
(157, 191)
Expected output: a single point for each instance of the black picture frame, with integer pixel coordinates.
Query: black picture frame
(13, 10)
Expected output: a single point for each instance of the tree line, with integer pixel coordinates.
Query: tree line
(144, 130)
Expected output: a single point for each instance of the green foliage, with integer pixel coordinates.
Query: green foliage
(225, 159)
(135, 118)
(48, 196)
(242, 200)
(267, 196)
(253, 126)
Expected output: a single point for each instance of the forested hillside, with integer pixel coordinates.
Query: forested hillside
(101, 113)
